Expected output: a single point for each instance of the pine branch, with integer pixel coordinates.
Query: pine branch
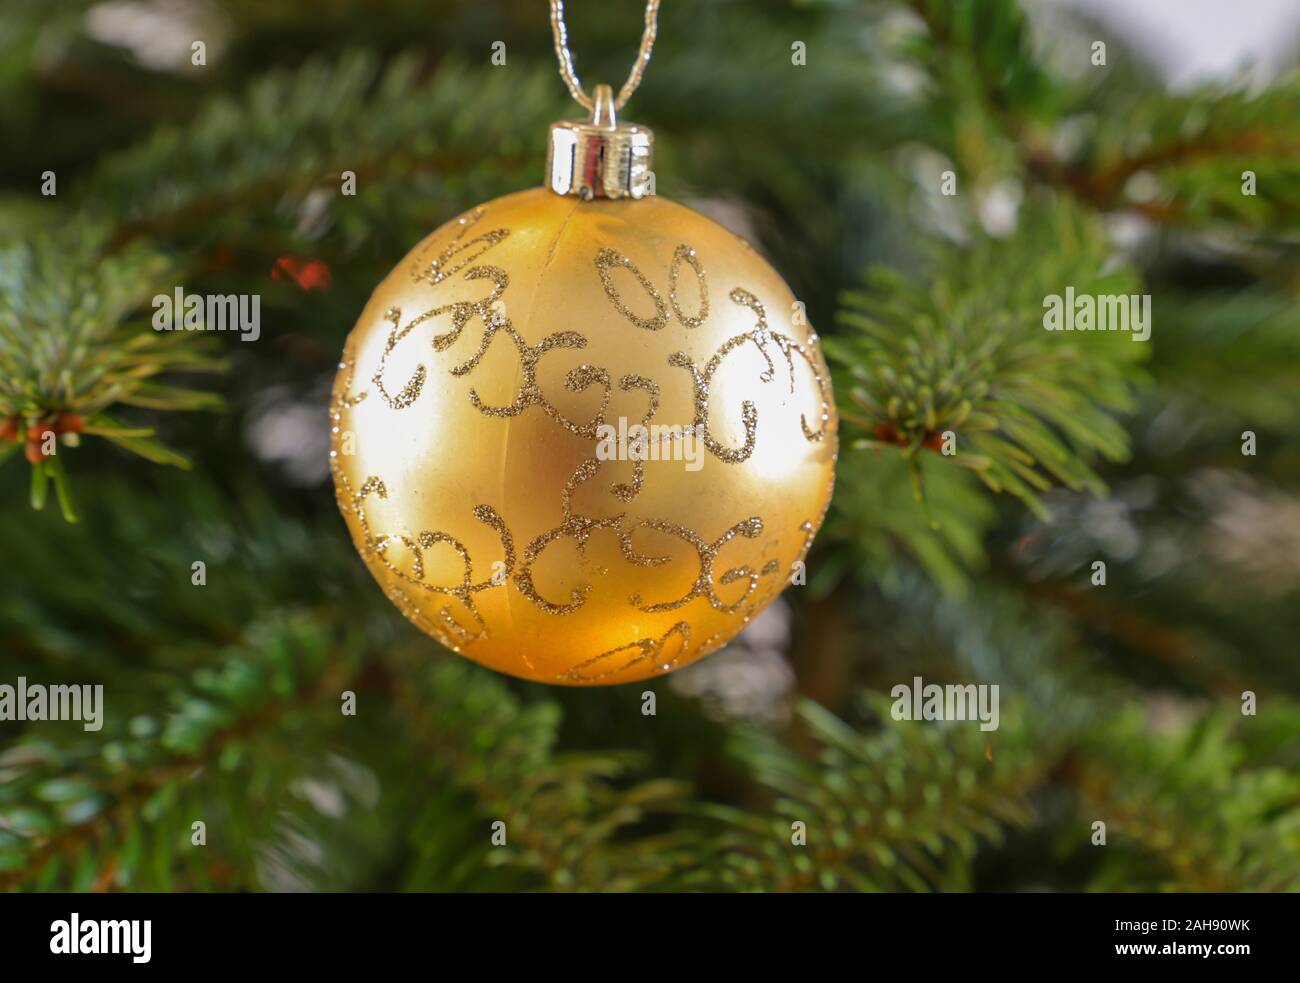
(943, 534)
(67, 812)
(1232, 365)
(1195, 795)
(566, 817)
(72, 349)
(966, 352)
(901, 807)
(1218, 818)
(1194, 151)
(1192, 148)
(260, 163)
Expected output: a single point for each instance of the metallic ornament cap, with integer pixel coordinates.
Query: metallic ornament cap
(600, 157)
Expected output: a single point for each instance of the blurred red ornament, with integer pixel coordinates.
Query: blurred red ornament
(310, 274)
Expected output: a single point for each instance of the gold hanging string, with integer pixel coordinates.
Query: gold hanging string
(565, 56)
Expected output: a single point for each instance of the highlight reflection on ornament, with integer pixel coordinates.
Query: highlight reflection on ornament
(472, 394)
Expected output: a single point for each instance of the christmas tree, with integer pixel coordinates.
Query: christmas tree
(1046, 637)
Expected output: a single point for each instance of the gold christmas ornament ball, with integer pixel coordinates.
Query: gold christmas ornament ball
(583, 441)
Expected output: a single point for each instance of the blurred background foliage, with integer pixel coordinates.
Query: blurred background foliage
(1119, 703)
